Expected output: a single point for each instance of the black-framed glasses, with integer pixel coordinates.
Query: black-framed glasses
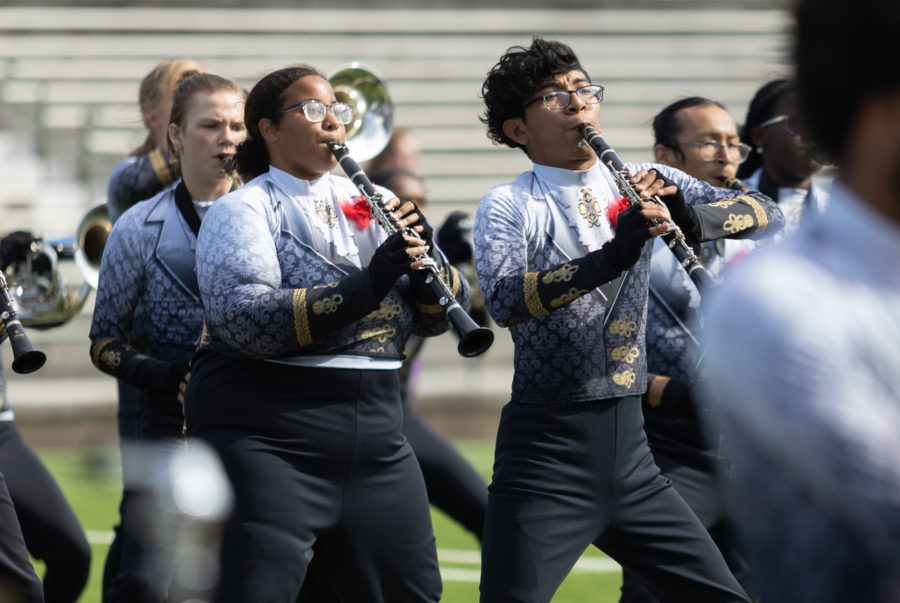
(315, 110)
(559, 99)
(790, 122)
(710, 149)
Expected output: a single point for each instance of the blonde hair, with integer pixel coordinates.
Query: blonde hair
(158, 86)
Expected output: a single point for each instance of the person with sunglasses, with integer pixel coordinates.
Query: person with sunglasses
(308, 304)
(569, 279)
(783, 160)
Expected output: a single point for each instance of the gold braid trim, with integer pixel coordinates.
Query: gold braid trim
(97, 350)
(301, 320)
(161, 168)
(762, 220)
(532, 299)
(451, 279)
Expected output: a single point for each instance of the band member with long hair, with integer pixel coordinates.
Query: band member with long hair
(572, 466)
(309, 304)
(148, 315)
(147, 170)
(149, 167)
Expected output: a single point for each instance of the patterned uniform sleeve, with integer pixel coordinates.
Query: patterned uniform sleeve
(722, 212)
(119, 290)
(513, 291)
(241, 286)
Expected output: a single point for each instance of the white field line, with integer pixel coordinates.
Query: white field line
(447, 557)
(585, 565)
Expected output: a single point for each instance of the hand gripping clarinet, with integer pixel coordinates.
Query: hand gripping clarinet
(26, 359)
(674, 238)
(473, 339)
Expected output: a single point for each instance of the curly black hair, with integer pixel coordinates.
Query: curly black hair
(518, 75)
(265, 100)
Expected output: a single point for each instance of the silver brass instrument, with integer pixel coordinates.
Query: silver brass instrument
(38, 290)
(673, 238)
(362, 89)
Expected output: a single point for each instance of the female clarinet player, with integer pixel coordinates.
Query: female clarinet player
(309, 303)
(148, 316)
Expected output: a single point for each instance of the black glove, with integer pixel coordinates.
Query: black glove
(676, 398)
(453, 241)
(14, 247)
(682, 214)
(632, 231)
(389, 262)
(427, 233)
(160, 376)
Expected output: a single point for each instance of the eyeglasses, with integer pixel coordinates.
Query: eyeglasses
(790, 122)
(315, 110)
(710, 149)
(559, 99)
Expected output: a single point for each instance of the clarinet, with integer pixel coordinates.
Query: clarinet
(26, 359)
(673, 238)
(473, 338)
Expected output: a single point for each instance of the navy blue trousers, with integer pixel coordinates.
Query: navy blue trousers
(314, 455)
(570, 475)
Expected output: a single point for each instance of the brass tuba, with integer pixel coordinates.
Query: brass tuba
(38, 290)
(373, 110)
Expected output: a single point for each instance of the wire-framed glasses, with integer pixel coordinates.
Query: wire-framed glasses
(790, 122)
(315, 110)
(710, 149)
(559, 99)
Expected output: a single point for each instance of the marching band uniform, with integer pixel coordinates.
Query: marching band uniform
(137, 178)
(147, 320)
(298, 391)
(811, 419)
(572, 465)
(692, 460)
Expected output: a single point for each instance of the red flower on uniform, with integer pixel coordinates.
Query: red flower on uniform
(612, 212)
(357, 211)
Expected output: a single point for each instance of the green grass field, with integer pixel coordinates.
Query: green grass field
(90, 480)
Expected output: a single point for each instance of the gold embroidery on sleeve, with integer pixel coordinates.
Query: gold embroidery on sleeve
(562, 274)
(737, 223)
(532, 300)
(327, 305)
(301, 320)
(723, 203)
(762, 219)
(565, 298)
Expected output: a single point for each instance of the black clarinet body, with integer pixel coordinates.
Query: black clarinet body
(473, 338)
(674, 238)
(26, 359)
